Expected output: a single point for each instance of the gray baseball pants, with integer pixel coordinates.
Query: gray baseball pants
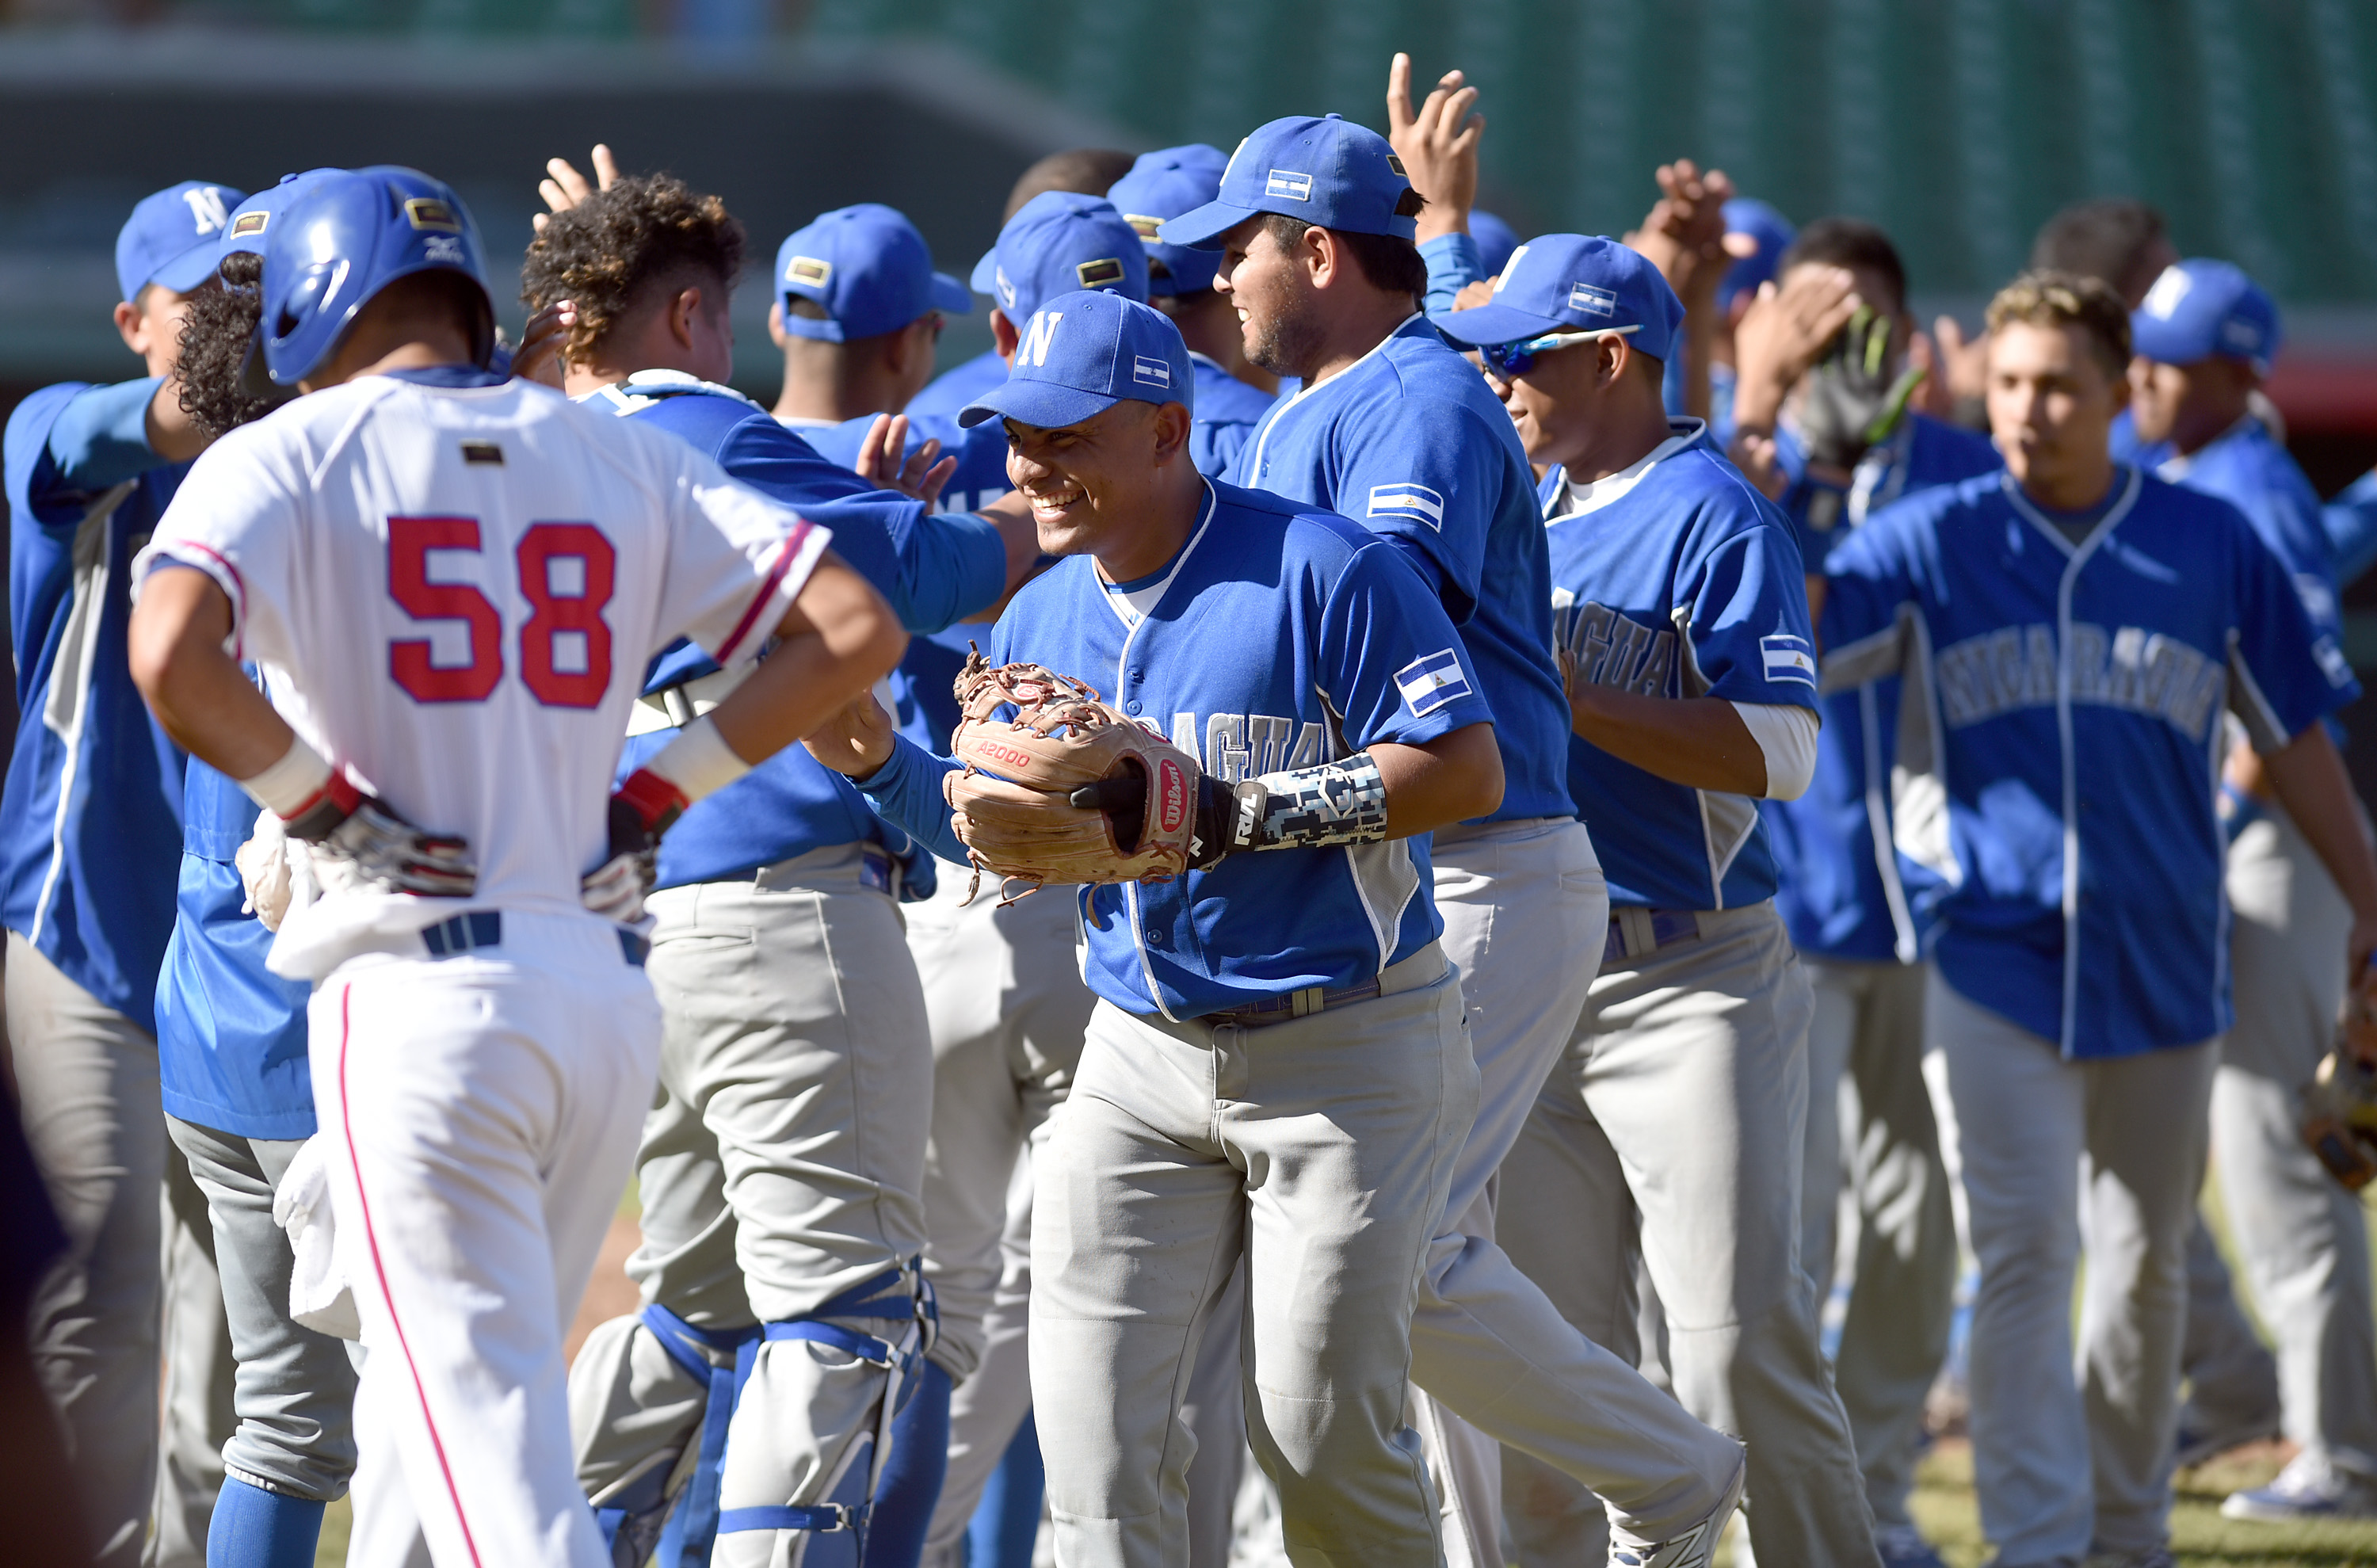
(1526, 910)
(1003, 990)
(1867, 1038)
(2301, 1236)
(1674, 1124)
(1319, 1149)
(294, 1392)
(2070, 1455)
(135, 1297)
(781, 1164)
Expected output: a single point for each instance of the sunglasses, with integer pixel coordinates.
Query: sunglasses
(1511, 361)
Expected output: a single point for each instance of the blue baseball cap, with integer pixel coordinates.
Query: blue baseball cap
(1061, 242)
(1773, 233)
(1083, 353)
(869, 268)
(2197, 309)
(1496, 240)
(172, 236)
(1162, 185)
(252, 218)
(1574, 283)
(1330, 172)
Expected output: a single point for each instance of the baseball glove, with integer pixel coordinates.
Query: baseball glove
(1069, 790)
(2340, 1105)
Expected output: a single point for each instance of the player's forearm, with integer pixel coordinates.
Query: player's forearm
(1699, 742)
(173, 434)
(1455, 778)
(198, 691)
(906, 792)
(839, 638)
(2309, 778)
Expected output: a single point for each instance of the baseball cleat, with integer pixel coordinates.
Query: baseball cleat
(1691, 1550)
(2310, 1488)
(1903, 1546)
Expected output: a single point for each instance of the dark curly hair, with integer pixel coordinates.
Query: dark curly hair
(603, 253)
(217, 330)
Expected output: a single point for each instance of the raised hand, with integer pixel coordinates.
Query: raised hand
(1439, 145)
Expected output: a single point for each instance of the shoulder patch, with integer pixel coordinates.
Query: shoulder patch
(1429, 683)
(1408, 500)
(1788, 657)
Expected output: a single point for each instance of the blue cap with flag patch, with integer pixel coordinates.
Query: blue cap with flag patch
(2198, 309)
(1058, 243)
(252, 218)
(171, 238)
(1329, 172)
(1574, 283)
(1162, 185)
(1082, 353)
(867, 268)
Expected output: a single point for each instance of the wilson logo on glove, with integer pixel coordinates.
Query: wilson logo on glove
(1173, 794)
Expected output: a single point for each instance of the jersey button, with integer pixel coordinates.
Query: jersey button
(1131, 706)
(1156, 939)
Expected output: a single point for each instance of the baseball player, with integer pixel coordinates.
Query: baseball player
(487, 1040)
(1858, 918)
(1212, 1119)
(1390, 426)
(231, 1045)
(843, 285)
(1674, 1119)
(2068, 633)
(90, 829)
(2203, 339)
(782, 1165)
(1083, 170)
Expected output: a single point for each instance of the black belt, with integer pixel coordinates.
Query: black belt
(1654, 928)
(476, 929)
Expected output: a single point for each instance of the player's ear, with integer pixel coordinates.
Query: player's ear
(1171, 423)
(1612, 355)
(1003, 334)
(128, 325)
(1322, 258)
(776, 333)
(682, 310)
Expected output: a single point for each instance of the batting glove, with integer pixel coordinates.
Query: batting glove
(360, 839)
(642, 809)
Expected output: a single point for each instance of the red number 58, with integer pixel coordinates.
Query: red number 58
(556, 613)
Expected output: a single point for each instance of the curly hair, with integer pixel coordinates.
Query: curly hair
(603, 253)
(2047, 298)
(217, 330)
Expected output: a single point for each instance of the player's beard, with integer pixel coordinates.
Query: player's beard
(1289, 341)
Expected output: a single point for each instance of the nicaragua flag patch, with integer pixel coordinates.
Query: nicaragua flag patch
(1591, 300)
(1429, 684)
(1153, 372)
(1408, 500)
(1289, 183)
(1788, 658)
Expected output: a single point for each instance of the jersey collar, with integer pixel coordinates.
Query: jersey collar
(645, 387)
(2131, 483)
(1581, 501)
(449, 376)
(1126, 603)
(1279, 411)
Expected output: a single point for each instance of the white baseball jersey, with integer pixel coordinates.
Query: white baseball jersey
(455, 584)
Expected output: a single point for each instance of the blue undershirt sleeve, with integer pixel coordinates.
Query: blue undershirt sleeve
(101, 438)
(1453, 265)
(906, 791)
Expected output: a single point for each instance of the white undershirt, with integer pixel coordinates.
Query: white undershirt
(1787, 734)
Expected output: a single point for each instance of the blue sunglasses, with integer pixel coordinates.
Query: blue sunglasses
(1511, 361)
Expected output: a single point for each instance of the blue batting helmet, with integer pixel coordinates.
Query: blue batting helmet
(345, 239)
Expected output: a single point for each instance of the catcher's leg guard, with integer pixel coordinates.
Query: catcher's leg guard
(911, 1484)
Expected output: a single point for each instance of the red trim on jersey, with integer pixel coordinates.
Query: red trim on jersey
(239, 606)
(783, 563)
(372, 1238)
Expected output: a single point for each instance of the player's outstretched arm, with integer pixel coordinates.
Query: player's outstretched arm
(839, 639)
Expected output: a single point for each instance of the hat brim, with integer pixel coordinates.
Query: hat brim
(1488, 324)
(1044, 404)
(952, 296)
(1203, 228)
(984, 279)
(189, 269)
(2157, 340)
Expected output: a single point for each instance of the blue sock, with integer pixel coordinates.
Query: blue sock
(1005, 1525)
(256, 1528)
(912, 1481)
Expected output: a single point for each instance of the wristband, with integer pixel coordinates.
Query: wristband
(1340, 802)
(655, 802)
(698, 761)
(287, 786)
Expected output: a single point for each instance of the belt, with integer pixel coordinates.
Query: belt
(1635, 932)
(876, 871)
(1409, 974)
(676, 706)
(476, 929)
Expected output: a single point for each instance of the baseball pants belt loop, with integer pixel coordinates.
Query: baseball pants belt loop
(1423, 968)
(1636, 932)
(463, 933)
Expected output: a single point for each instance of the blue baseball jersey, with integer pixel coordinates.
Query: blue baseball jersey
(1279, 637)
(2252, 471)
(931, 567)
(1225, 413)
(231, 1034)
(91, 822)
(2061, 741)
(980, 477)
(1677, 579)
(1844, 892)
(948, 392)
(2350, 522)
(1410, 442)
